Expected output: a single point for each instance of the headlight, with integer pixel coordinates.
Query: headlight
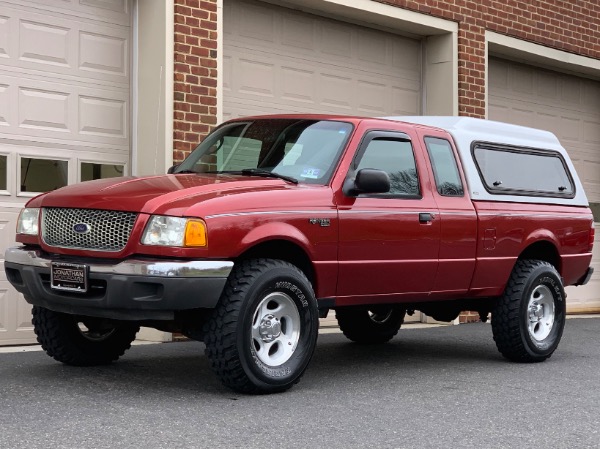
(174, 231)
(28, 221)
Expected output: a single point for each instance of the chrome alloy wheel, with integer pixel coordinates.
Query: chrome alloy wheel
(95, 331)
(540, 313)
(381, 314)
(275, 329)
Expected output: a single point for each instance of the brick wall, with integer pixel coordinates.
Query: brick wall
(195, 90)
(568, 25)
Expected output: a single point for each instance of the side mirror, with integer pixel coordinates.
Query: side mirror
(172, 168)
(367, 180)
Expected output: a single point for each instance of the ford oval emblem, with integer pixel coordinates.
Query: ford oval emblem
(82, 228)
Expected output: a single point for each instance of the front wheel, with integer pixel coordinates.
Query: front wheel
(528, 320)
(81, 341)
(262, 334)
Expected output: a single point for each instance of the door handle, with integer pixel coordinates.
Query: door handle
(425, 217)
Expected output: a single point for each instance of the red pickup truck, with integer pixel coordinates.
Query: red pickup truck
(273, 221)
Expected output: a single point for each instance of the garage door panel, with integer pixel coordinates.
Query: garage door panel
(5, 102)
(591, 131)
(298, 32)
(64, 96)
(304, 63)
(298, 85)
(404, 101)
(58, 109)
(15, 317)
(337, 41)
(59, 45)
(109, 11)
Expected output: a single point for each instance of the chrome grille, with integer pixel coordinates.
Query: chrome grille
(107, 230)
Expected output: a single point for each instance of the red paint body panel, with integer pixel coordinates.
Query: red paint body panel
(373, 250)
(517, 226)
(383, 248)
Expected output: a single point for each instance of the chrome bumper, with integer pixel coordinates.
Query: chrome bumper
(133, 289)
(134, 267)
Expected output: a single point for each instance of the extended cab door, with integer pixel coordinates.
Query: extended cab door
(457, 216)
(389, 242)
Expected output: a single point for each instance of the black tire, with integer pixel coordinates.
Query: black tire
(243, 346)
(528, 320)
(99, 343)
(370, 324)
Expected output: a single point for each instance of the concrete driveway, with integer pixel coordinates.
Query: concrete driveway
(432, 388)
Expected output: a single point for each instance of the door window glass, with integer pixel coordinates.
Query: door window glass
(397, 159)
(445, 169)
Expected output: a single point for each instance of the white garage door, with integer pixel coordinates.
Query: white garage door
(64, 110)
(569, 106)
(278, 60)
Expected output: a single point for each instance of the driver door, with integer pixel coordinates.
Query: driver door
(389, 242)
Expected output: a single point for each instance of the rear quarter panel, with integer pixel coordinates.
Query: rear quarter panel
(507, 229)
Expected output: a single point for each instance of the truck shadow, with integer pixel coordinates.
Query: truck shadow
(181, 368)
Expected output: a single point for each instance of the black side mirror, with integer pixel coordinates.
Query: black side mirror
(172, 168)
(367, 180)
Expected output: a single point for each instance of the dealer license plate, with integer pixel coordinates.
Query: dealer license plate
(68, 276)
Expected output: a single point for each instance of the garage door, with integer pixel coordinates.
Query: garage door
(279, 60)
(569, 106)
(64, 110)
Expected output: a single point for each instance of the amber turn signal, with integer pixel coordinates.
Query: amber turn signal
(195, 233)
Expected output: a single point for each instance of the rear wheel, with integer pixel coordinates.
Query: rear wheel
(262, 334)
(370, 324)
(528, 320)
(81, 341)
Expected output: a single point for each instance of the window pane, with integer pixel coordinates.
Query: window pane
(396, 158)
(3, 182)
(42, 175)
(445, 170)
(91, 171)
(523, 171)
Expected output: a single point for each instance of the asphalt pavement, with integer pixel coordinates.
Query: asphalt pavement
(442, 387)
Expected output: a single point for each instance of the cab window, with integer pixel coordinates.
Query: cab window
(395, 156)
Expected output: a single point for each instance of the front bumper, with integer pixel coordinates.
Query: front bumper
(133, 289)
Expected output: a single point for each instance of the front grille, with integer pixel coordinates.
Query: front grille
(107, 230)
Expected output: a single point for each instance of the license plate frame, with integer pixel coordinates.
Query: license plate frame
(71, 277)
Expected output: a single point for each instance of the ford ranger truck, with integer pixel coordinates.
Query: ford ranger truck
(273, 221)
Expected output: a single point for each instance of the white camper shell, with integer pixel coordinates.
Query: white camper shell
(533, 158)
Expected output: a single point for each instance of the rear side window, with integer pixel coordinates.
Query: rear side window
(516, 171)
(445, 169)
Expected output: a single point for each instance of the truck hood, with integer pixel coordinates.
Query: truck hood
(168, 194)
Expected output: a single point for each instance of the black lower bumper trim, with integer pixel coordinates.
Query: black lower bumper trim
(585, 278)
(118, 296)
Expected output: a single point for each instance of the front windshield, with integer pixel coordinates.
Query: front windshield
(307, 150)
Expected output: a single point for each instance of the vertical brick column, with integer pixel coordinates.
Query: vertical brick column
(195, 89)
(471, 68)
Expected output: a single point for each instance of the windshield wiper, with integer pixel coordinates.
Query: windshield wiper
(185, 172)
(267, 174)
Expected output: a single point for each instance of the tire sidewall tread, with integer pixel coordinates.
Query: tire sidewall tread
(58, 335)
(227, 333)
(509, 317)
